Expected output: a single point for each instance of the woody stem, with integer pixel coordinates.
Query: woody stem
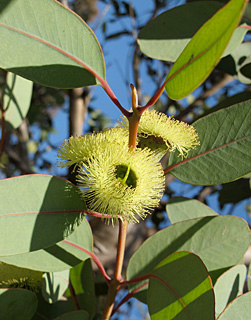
(114, 285)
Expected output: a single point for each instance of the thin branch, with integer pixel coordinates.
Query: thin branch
(128, 297)
(115, 283)
(73, 295)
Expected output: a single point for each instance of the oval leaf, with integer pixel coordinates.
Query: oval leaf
(224, 153)
(239, 309)
(61, 256)
(49, 44)
(204, 50)
(228, 286)
(17, 304)
(17, 97)
(36, 212)
(184, 289)
(220, 241)
(180, 209)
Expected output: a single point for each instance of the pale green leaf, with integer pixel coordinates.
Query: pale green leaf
(224, 153)
(180, 209)
(204, 50)
(238, 309)
(61, 256)
(228, 286)
(220, 241)
(36, 212)
(166, 36)
(49, 44)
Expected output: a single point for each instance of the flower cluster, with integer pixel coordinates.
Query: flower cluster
(121, 182)
(162, 134)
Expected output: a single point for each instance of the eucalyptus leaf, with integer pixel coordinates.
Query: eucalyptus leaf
(166, 36)
(184, 289)
(238, 309)
(180, 209)
(61, 256)
(49, 44)
(83, 283)
(204, 51)
(17, 304)
(228, 286)
(224, 153)
(36, 212)
(220, 241)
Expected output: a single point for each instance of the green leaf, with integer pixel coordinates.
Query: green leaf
(61, 256)
(36, 212)
(228, 286)
(82, 280)
(183, 289)
(180, 209)
(49, 44)
(204, 50)
(55, 285)
(227, 102)
(17, 304)
(224, 153)
(75, 315)
(239, 309)
(220, 241)
(166, 36)
(17, 97)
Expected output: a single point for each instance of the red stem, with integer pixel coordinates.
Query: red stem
(128, 296)
(94, 257)
(73, 295)
(154, 98)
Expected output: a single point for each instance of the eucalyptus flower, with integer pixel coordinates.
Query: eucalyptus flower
(115, 180)
(121, 181)
(75, 150)
(161, 133)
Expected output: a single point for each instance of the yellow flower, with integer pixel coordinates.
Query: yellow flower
(162, 134)
(114, 179)
(119, 181)
(75, 150)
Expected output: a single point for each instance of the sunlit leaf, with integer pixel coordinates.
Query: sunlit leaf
(184, 290)
(204, 50)
(180, 209)
(228, 286)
